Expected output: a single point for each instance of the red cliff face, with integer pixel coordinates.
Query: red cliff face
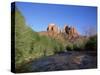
(71, 32)
(54, 31)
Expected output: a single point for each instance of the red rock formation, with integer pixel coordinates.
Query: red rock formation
(52, 30)
(71, 32)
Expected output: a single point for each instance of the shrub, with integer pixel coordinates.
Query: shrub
(69, 47)
(91, 44)
(77, 47)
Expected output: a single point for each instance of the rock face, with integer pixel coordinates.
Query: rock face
(71, 32)
(52, 30)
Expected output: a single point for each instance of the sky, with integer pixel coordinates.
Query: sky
(38, 16)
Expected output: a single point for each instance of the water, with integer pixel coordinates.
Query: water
(70, 60)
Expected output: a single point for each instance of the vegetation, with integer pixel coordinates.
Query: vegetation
(30, 45)
(91, 43)
(83, 44)
(77, 45)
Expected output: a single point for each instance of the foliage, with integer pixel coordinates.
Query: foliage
(69, 47)
(91, 43)
(76, 45)
(29, 45)
(83, 44)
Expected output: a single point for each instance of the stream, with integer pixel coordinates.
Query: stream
(71, 60)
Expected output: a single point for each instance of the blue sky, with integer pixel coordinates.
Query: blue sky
(38, 16)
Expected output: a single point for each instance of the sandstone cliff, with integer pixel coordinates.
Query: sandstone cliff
(67, 33)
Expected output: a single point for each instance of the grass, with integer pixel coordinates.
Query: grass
(29, 45)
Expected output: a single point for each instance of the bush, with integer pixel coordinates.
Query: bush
(91, 44)
(76, 45)
(76, 48)
(69, 47)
